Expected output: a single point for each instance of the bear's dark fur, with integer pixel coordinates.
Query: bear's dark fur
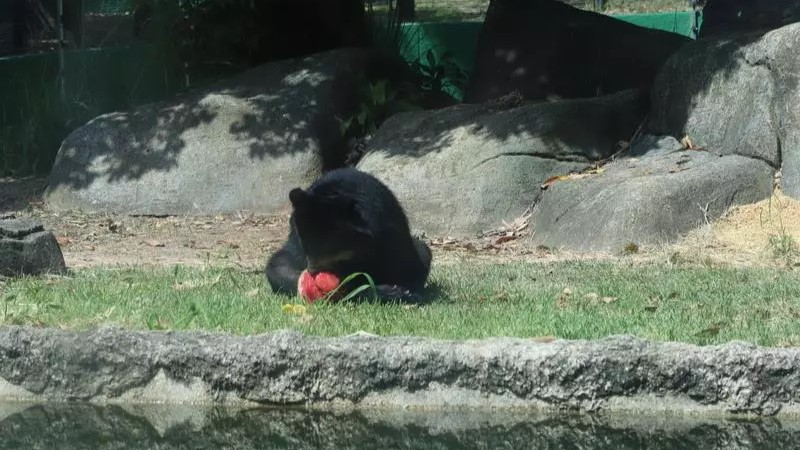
(349, 222)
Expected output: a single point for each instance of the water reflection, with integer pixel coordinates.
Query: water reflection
(84, 426)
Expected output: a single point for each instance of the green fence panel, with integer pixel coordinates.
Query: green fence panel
(679, 22)
(34, 119)
(461, 38)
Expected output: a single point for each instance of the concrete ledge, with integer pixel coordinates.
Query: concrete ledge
(362, 371)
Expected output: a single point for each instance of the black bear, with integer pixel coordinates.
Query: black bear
(349, 222)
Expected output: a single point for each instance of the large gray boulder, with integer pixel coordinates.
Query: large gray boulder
(465, 169)
(736, 94)
(242, 143)
(652, 200)
(26, 248)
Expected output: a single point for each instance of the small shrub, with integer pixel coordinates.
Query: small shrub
(783, 247)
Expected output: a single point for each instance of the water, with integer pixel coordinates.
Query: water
(83, 426)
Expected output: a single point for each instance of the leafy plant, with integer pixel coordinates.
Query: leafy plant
(784, 247)
(378, 101)
(439, 75)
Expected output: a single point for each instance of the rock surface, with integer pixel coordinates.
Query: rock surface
(26, 248)
(618, 373)
(462, 170)
(547, 48)
(241, 144)
(652, 200)
(167, 427)
(736, 95)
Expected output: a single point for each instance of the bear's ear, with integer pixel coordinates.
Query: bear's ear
(299, 198)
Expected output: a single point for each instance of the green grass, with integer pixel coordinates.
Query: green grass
(698, 305)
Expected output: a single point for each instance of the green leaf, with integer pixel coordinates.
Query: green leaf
(344, 125)
(379, 92)
(361, 118)
(430, 57)
(353, 293)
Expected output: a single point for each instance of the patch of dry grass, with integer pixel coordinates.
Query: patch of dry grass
(759, 234)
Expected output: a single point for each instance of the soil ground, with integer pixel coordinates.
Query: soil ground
(762, 234)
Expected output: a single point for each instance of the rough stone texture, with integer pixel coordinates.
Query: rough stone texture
(652, 200)
(648, 144)
(783, 58)
(544, 48)
(735, 95)
(240, 144)
(465, 169)
(726, 16)
(618, 373)
(27, 249)
(166, 427)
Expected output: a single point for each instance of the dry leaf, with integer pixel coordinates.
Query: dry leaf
(185, 285)
(194, 245)
(63, 240)
(563, 299)
(688, 144)
(293, 309)
(153, 243)
(579, 176)
(596, 170)
(550, 181)
(608, 300)
(505, 238)
(305, 318)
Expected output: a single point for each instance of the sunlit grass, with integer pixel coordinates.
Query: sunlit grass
(699, 305)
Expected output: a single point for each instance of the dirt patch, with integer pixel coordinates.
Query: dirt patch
(243, 239)
(760, 234)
